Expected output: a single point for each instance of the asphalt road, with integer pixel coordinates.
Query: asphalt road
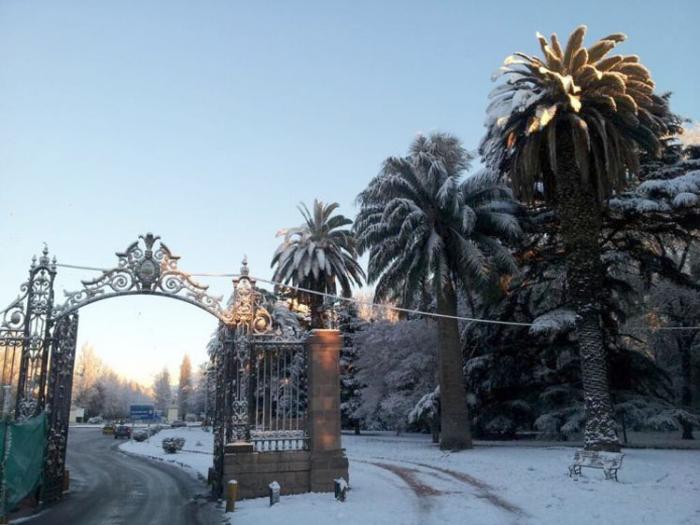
(109, 487)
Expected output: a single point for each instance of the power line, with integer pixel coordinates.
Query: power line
(370, 303)
(329, 296)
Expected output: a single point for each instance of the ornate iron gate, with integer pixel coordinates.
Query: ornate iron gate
(259, 368)
(30, 314)
(62, 360)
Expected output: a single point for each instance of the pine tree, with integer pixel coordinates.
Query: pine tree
(199, 393)
(397, 365)
(184, 391)
(350, 388)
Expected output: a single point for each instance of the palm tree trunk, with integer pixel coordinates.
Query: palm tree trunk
(580, 220)
(316, 307)
(455, 433)
(686, 387)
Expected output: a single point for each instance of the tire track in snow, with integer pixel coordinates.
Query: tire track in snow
(419, 489)
(485, 490)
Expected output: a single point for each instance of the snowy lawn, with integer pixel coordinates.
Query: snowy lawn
(196, 455)
(407, 480)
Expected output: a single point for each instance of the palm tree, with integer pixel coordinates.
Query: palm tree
(568, 128)
(426, 227)
(318, 255)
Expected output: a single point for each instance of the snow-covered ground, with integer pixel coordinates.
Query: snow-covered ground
(407, 480)
(196, 455)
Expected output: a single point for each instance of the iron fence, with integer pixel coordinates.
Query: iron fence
(278, 383)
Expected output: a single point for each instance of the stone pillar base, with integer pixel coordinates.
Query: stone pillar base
(326, 467)
(254, 471)
(239, 447)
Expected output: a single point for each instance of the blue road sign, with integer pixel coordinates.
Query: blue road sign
(142, 412)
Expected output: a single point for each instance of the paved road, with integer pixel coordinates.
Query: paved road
(109, 487)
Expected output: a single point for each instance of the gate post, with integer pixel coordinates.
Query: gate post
(31, 384)
(217, 473)
(65, 333)
(328, 460)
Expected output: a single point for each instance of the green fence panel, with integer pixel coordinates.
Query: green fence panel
(24, 458)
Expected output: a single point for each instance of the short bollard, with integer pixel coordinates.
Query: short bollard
(341, 489)
(274, 493)
(231, 495)
(66, 480)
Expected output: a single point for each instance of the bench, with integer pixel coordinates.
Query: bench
(608, 462)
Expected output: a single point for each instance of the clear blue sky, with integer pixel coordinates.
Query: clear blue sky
(207, 122)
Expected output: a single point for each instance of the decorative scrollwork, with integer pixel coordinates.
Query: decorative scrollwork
(58, 403)
(39, 284)
(37, 301)
(246, 307)
(13, 315)
(147, 266)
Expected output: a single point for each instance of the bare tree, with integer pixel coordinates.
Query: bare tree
(162, 391)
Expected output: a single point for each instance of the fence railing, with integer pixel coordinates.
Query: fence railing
(280, 440)
(278, 395)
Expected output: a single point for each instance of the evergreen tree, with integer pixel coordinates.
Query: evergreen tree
(349, 324)
(397, 365)
(428, 227)
(199, 394)
(567, 128)
(184, 391)
(526, 379)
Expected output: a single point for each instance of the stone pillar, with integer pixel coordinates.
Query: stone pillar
(328, 460)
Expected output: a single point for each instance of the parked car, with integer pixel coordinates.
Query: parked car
(95, 420)
(122, 431)
(178, 423)
(108, 429)
(140, 435)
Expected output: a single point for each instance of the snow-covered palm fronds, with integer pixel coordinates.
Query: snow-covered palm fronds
(423, 222)
(320, 253)
(606, 104)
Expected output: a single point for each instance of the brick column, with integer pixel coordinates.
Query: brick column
(328, 460)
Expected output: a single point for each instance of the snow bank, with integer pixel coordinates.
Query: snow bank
(196, 455)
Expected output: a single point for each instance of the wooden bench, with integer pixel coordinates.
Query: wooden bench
(608, 462)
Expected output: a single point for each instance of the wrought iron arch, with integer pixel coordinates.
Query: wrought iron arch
(45, 335)
(146, 267)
